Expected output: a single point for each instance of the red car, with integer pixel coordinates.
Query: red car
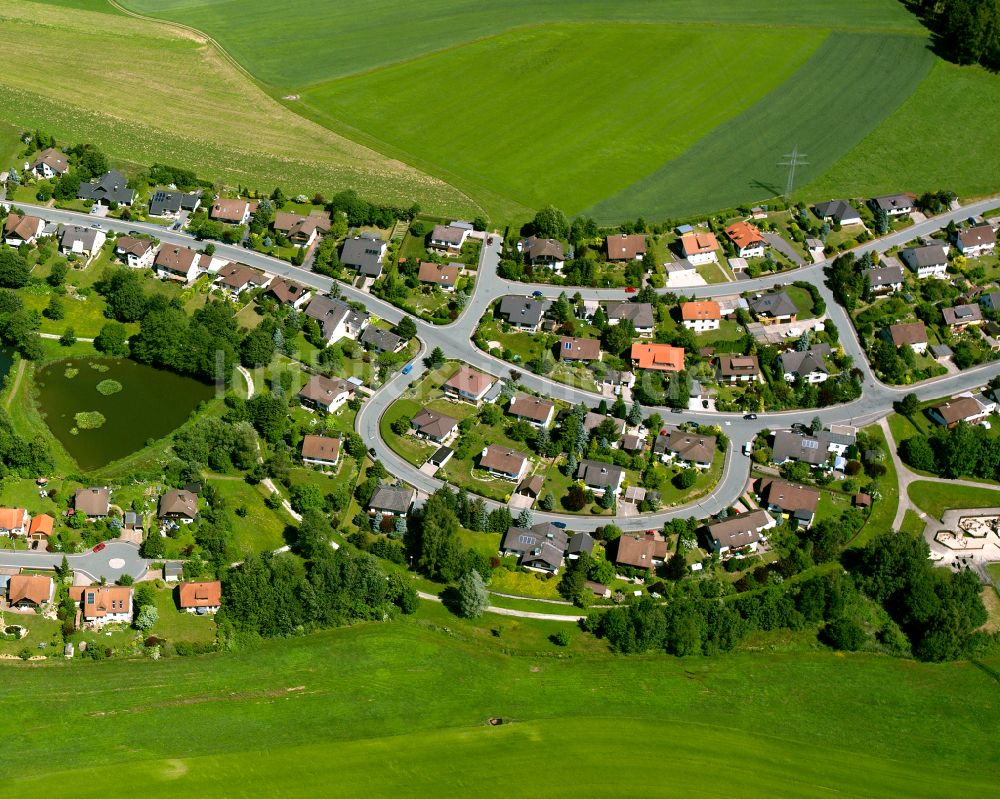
(99, 547)
(631, 290)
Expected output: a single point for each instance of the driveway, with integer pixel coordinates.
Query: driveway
(785, 248)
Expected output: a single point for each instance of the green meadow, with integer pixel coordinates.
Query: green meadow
(401, 710)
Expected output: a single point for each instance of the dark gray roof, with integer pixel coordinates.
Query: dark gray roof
(522, 310)
(837, 210)
(599, 474)
(545, 555)
(893, 202)
(885, 276)
(580, 542)
(639, 313)
(523, 539)
(171, 202)
(363, 252)
(74, 233)
(329, 312)
(813, 450)
(803, 363)
(380, 339)
(930, 255)
(110, 188)
(773, 304)
(396, 499)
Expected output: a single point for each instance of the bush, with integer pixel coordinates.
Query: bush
(844, 634)
(560, 638)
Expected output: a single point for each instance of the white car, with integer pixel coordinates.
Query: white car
(985, 424)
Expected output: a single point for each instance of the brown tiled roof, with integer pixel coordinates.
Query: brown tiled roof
(572, 348)
(432, 423)
(11, 518)
(229, 210)
(908, 333)
(438, 274)
(740, 530)
(738, 365)
(176, 258)
(690, 446)
(92, 501)
(534, 408)
(22, 226)
(470, 381)
(640, 552)
(955, 410)
(36, 588)
(200, 595)
(625, 247)
(321, 448)
(502, 459)
(55, 159)
(790, 497)
(977, 236)
(962, 315)
(299, 226)
(285, 290)
(698, 243)
(129, 245)
(324, 389)
(743, 234)
(236, 275)
(106, 599)
(178, 502)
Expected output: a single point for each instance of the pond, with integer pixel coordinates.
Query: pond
(102, 409)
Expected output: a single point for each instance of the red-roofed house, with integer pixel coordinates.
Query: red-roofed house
(700, 248)
(747, 239)
(14, 521)
(200, 598)
(701, 316)
(661, 357)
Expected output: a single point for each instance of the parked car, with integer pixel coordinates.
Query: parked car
(489, 240)
(371, 451)
(631, 290)
(536, 294)
(408, 368)
(560, 525)
(99, 547)
(750, 417)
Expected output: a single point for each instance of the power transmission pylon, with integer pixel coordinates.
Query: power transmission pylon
(792, 160)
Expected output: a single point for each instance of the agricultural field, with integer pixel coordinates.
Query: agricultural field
(699, 115)
(285, 718)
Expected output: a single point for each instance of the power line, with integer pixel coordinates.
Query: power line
(792, 160)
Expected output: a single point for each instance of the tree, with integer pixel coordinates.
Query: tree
(547, 502)
(57, 274)
(550, 223)
(68, 338)
(909, 405)
(436, 359)
(575, 499)
(148, 616)
(152, 546)
(917, 452)
(112, 340)
(55, 309)
(14, 270)
(472, 597)
(685, 479)
(439, 547)
(635, 415)
(257, 348)
(269, 416)
(843, 633)
(406, 328)
(525, 518)
(676, 567)
(123, 293)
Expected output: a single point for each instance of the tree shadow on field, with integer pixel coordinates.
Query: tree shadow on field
(449, 598)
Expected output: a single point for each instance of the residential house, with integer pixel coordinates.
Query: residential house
(93, 502)
(321, 451)
(503, 462)
(523, 313)
(22, 229)
(41, 527)
(912, 334)
(626, 247)
(201, 598)
(364, 253)
(839, 212)
(686, 449)
(177, 263)
(326, 393)
(807, 366)
(701, 316)
(815, 450)
(136, 253)
(444, 276)
(963, 408)
(990, 300)
(927, 261)
(885, 279)
(380, 340)
(469, 384)
(299, 229)
(288, 293)
(30, 590)
(600, 477)
(894, 204)
(700, 248)
(795, 501)
(572, 348)
(14, 522)
(738, 369)
(179, 505)
(659, 357)
(236, 278)
(592, 420)
(962, 316)
(449, 239)
(618, 380)
(681, 274)
(533, 410)
(640, 314)
(76, 240)
(392, 500)
(774, 308)
(171, 203)
(815, 249)
(111, 188)
(104, 604)
(638, 552)
(740, 533)
(231, 211)
(433, 426)
(540, 547)
(336, 318)
(50, 163)
(747, 239)
(579, 543)
(543, 252)
(531, 486)
(977, 240)
(173, 571)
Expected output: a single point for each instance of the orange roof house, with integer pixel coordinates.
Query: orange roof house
(695, 311)
(41, 526)
(192, 596)
(661, 357)
(745, 236)
(698, 244)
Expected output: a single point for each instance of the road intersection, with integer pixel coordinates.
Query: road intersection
(455, 341)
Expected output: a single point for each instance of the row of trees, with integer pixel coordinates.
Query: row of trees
(963, 451)
(966, 31)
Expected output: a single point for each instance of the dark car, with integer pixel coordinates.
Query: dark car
(560, 525)
(677, 410)
(536, 294)
(371, 451)
(750, 416)
(134, 233)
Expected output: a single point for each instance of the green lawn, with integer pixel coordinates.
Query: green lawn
(936, 498)
(883, 512)
(912, 523)
(175, 624)
(262, 529)
(285, 719)
(40, 631)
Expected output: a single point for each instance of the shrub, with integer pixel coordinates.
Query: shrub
(844, 634)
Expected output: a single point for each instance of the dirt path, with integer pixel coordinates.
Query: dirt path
(16, 384)
(521, 614)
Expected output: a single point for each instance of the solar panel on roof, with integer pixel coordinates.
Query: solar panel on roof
(525, 539)
(810, 444)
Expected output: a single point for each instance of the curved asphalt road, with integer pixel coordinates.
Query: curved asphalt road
(454, 341)
(93, 564)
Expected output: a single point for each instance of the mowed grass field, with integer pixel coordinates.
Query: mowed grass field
(400, 710)
(147, 92)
